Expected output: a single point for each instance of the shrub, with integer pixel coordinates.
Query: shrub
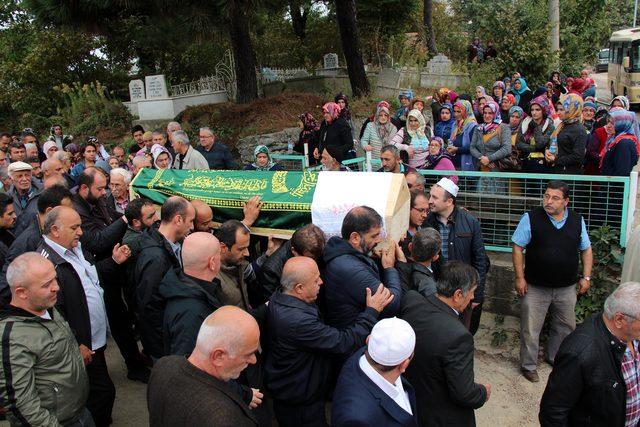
(90, 111)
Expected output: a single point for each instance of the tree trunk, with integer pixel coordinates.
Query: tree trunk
(430, 34)
(244, 58)
(346, 14)
(299, 14)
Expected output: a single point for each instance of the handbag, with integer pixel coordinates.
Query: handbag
(511, 163)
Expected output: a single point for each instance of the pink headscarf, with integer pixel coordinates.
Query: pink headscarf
(497, 118)
(332, 108)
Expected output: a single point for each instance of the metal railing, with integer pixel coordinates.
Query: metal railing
(204, 85)
(499, 199)
(290, 162)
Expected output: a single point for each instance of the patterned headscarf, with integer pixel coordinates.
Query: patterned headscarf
(500, 85)
(433, 160)
(623, 99)
(309, 123)
(262, 149)
(387, 130)
(516, 109)
(333, 109)
(578, 85)
(544, 104)
(467, 117)
(441, 93)
(156, 151)
(495, 121)
(625, 124)
(406, 93)
(572, 105)
(482, 90)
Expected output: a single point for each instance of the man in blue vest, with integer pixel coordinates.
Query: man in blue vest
(556, 239)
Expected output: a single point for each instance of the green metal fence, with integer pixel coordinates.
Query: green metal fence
(498, 200)
(290, 162)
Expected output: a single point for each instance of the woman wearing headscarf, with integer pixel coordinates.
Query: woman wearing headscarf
(490, 143)
(460, 142)
(522, 93)
(534, 134)
(262, 160)
(405, 98)
(508, 101)
(498, 90)
(345, 112)
(576, 85)
(507, 84)
(446, 124)
(589, 114)
(516, 114)
(479, 104)
(620, 101)
(379, 132)
(334, 131)
(622, 148)
(50, 148)
(161, 157)
(418, 104)
(440, 97)
(566, 150)
(308, 135)
(558, 85)
(438, 159)
(413, 140)
(589, 88)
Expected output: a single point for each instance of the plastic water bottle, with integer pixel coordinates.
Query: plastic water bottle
(553, 146)
(290, 146)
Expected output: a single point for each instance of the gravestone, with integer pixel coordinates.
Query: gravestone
(439, 64)
(156, 87)
(389, 78)
(136, 90)
(330, 61)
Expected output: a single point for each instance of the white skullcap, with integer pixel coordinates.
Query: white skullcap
(391, 341)
(449, 185)
(19, 166)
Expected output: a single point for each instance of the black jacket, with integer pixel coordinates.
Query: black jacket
(72, 301)
(300, 347)
(441, 371)
(337, 134)
(572, 143)
(417, 277)
(188, 302)
(27, 241)
(347, 275)
(465, 244)
(272, 268)
(6, 240)
(99, 233)
(155, 259)
(586, 387)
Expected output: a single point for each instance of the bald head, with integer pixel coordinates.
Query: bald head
(204, 216)
(301, 278)
(62, 225)
(32, 280)
(51, 167)
(201, 256)
(227, 342)
(51, 180)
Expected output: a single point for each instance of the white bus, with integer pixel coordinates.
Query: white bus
(624, 64)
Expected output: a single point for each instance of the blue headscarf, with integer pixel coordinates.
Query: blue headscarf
(443, 129)
(523, 88)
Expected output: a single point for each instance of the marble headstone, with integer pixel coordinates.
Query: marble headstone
(439, 64)
(136, 90)
(156, 87)
(330, 61)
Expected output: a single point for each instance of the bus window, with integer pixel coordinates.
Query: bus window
(635, 57)
(619, 55)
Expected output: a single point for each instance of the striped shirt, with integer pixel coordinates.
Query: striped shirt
(630, 365)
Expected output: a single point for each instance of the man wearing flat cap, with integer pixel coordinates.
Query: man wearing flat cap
(371, 389)
(461, 240)
(24, 190)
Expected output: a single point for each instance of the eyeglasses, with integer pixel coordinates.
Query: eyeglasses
(423, 210)
(628, 315)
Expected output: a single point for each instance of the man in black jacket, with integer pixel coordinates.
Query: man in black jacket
(7, 220)
(595, 375)
(461, 240)
(100, 234)
(80, 300)
(190, 293)
(442, 368)
(350, 270)
(425, 250)
(159, 251)
(300, 344)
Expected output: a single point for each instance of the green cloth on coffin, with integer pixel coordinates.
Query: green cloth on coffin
(286, 195)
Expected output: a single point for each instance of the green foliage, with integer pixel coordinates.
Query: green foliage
(499, 336)
(90, 111)
(605, 277)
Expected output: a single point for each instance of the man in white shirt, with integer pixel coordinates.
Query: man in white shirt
(371, 389)
(80, 300)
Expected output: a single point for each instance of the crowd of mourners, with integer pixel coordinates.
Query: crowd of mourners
(231, 329)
